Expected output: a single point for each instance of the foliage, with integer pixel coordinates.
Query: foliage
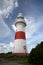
(36, 55)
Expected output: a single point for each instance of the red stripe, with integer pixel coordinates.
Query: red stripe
(20, 35)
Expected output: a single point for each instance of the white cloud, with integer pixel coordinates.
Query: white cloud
(2, 47)
(11, 45)
(5, 48)
(32, 26)
(4, 29)
(7, 6)
(16, 4)
(34, 35)
(38, 38)
(14, 28)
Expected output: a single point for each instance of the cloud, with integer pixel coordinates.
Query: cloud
(7, 6)
(33, 27)
(2, 47)
(34, 32)
(5, 48)
(11, 44)
(16, 4)
(14, 28)
(4, 29)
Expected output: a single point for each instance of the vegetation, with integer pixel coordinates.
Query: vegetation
(22, 59)
(36, 55)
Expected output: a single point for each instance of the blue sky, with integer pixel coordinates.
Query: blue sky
(33, 15)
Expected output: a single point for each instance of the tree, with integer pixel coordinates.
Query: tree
(36, 55)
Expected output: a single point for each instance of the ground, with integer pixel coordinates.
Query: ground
(6, 62)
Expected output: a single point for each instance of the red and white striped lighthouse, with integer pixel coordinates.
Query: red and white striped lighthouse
(20, 38)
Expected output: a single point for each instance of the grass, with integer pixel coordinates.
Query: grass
(22, 59)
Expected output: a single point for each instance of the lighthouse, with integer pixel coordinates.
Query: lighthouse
(20, 38)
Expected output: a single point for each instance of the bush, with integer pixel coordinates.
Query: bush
(36, 55)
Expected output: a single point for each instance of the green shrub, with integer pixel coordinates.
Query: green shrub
(36, 55)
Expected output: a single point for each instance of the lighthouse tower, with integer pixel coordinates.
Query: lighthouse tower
(20, 38)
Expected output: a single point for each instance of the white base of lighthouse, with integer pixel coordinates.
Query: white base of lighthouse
(20, 46)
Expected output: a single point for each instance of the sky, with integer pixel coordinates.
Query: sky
(32, 11)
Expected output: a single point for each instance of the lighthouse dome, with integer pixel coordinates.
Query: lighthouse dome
(20, 19)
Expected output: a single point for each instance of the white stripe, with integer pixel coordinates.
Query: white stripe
(20, 27)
